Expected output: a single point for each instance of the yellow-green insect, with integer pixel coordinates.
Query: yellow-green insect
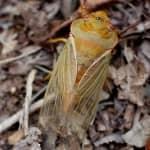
(79, 75)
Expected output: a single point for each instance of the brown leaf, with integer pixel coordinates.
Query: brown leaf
(144, 55)
(130, 78)
(22, 66)
(8, 41)
(10, 84)
(34, 18)
(109, 138)
(134, 95)
(31, 141)
(139, 133)
(129, 115)
(15, 137)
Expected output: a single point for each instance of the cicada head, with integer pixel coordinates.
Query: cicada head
(101, 24)
(94, 33)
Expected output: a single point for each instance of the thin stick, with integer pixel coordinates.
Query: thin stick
(6, 124)
(42, 90)
(129, 27)
(28, 98)
(42, 69)
(8, 60)
(64, 24)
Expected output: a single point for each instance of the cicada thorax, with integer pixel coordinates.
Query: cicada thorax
(93, 36)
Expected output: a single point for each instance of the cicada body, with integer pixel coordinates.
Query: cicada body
(79, 76)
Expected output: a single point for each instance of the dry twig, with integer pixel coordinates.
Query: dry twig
(28, 98)
(15, 118)
(6, 124)
(8, 60)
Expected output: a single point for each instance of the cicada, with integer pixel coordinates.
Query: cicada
(79, 75)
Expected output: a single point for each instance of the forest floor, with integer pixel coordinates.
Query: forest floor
(26, 57)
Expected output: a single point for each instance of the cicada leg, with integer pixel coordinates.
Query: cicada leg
(47, 71)
(56, 40)
(48, 76)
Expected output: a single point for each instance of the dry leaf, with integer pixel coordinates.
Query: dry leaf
(94, 3)
(51, 9)
(9, 84)
(145, 49)
(88, 147)
(8, 41)
(35, 19)
(3, 74)
(15, 137)
(31, 142)
(144, 55)
(104, 95)
(87, 144)
(128, 148)
(139, 133)
(22, 66)
(109, 138)
(129, 115)
(10, 9)
(67, 7)
(134, 94)
(129, 54)
(130, 78)
(143, 26)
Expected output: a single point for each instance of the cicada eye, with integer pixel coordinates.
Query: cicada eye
(98, 18)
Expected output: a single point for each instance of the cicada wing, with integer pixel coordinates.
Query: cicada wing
(60, 86)
(88, 90)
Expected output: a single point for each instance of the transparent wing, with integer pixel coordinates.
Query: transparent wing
(61, 87)
(88, 90)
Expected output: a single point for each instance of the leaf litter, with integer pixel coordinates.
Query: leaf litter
(27, 25)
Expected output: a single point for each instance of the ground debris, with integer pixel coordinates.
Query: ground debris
(26, 26)
(139, 133)
(130, 78)
(8, 41)
(31, 141)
